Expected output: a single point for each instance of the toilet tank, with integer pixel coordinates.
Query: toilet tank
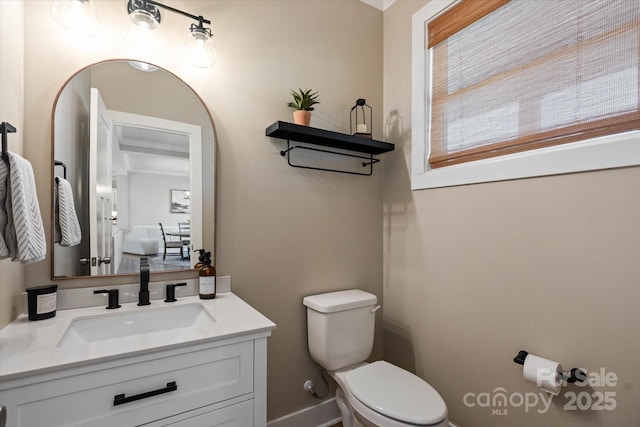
(340, 327)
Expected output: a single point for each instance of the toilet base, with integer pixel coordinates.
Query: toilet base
(348, 420)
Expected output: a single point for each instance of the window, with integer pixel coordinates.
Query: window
(509, 89)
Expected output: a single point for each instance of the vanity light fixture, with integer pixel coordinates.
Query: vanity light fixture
(145, 14)
(199, 46)
(77, 16)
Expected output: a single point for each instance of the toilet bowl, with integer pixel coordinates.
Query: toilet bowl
(341, 329)
(383, 395)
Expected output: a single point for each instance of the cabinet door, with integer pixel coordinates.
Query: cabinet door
(238, 415)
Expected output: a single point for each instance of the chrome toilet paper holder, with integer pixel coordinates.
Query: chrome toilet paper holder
(575, 375)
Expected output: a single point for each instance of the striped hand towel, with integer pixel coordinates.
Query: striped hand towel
(66, 220)
(4, 190)
(24, 233)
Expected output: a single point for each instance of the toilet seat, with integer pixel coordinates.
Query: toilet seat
(396, 393)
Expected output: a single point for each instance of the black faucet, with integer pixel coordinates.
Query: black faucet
(171, 291)
(113, 297)
(143, 295)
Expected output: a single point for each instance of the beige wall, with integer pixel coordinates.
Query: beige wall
(475, 273)
(546, 264)
(282, 233)
(11, 110)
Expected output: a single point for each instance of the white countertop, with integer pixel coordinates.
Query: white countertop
(31, 347)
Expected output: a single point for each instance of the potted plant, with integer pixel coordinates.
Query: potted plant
(303, 102)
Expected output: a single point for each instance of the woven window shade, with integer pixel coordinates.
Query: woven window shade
(531, 74)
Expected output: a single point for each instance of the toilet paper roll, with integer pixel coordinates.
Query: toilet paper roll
(543, 373)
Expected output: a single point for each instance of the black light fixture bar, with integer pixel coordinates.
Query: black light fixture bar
(200, 19)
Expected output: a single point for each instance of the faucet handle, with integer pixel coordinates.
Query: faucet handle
(143, 294)
(144, 269)
(171, 292)
(113, 297)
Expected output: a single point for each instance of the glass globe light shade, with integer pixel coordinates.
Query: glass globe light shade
(144, 19)
(199, 48)
(77, 16)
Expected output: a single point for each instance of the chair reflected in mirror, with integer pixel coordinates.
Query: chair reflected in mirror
(170, 244)
(184, 229)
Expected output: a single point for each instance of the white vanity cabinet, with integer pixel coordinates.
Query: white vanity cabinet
(206, 375)
(218, 383)
(238, 414)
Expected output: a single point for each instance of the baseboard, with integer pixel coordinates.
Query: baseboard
(324, 414)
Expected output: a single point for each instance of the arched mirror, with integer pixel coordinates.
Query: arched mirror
(133, 155)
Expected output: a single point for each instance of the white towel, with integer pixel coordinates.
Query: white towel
(4, 190)
(24, 232)
(67, 231)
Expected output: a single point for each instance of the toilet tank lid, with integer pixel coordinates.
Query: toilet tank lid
(331, 302)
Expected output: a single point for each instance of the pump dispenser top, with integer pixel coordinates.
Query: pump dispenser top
(200, 258)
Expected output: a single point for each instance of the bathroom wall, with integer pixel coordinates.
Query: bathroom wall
(150, 207)
(474, 274)
(282, 233)
(11, 110)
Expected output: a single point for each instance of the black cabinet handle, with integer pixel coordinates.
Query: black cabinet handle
(121, 399)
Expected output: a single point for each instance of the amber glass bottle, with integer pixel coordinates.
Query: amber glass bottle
(207, 285)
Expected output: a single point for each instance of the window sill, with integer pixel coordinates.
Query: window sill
(608, 152)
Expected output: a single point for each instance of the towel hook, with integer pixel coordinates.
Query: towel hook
(64, 167)
(6, 128)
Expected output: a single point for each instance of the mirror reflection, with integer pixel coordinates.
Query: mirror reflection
(133, 150)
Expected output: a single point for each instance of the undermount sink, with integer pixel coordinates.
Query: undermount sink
(146, 323)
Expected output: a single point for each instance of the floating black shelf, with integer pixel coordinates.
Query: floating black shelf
(327, 138)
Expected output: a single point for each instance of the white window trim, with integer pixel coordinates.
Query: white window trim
(613, 151)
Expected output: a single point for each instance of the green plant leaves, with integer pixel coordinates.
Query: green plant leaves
(304, 99)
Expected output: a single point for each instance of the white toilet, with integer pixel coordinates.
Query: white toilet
(341, 329)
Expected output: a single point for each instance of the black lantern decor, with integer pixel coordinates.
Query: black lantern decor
(361, 122)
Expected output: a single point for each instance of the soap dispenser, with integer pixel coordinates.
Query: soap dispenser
(200, 258)
(207, 280)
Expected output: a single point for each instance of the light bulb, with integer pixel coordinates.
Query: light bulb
(77, 16)
(199, 47)
(141, 38)
(144, 14)
(145, 18)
